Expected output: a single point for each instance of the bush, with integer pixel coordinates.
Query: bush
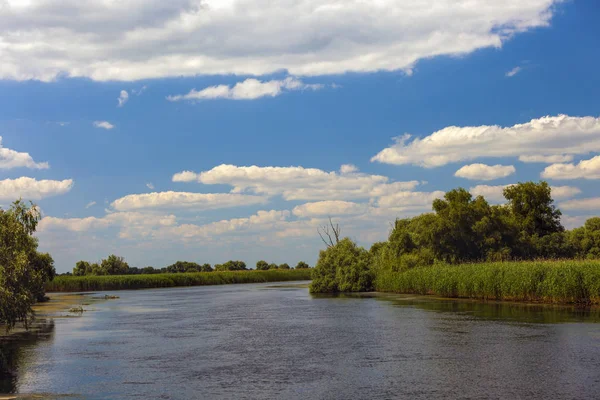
(343, 267)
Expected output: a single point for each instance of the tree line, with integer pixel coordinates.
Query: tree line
(460, 229)
(115, 265)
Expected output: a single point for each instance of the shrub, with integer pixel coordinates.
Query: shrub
(343, 267)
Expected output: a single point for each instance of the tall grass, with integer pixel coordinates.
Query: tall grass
(122, 282)
(567, 281)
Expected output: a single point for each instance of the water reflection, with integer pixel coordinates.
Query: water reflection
(505, 311)
(17, 351)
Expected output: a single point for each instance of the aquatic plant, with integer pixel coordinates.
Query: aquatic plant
(562, 281)
(119, 282)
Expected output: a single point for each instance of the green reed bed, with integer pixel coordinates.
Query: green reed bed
(569, 281)
(122, 282)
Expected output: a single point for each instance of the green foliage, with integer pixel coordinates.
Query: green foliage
(231, 266)
(23, 271)
(302, 265)
(284, 266)
(118, 282)
(262, 265)
(531, 206)
(273, 266)
(343, 267)
(114, 265)
(567, 281)
(183, 266)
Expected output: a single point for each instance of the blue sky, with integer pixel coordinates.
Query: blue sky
(329, 87)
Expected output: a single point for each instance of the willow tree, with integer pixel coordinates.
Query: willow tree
(23, 271)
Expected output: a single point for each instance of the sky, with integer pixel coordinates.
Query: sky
(232, 129)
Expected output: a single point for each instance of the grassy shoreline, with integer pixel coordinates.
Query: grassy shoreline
(566, 282)
(128, 282)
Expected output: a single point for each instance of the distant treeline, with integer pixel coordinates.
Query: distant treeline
(145, 281)
(461, 229)
(115, 265)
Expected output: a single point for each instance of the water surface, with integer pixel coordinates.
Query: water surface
(267, 341)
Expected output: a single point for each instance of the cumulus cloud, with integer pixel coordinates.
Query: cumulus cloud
(329, 208)
(409, 200)
(297, 183)
(32, 189)
(513, 72)
(13, 159)
(132, 224)
(558, 158)
(589, 204)
(250, 89)
(548, 136)
(495, 194)
(348, 168)
(104, 125)
(261, 221)
(196, 201)
(131, 40)
(123, 97)
(485, 172)
(585, 169)
(90, 204)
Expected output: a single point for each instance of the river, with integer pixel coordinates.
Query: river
(276, 341)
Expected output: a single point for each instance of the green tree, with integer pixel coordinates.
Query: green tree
(262, 265)
(231, 266)
(82, 268)
(23, 271)
(302, 265)
(273, 266)
(206, 268)
(532, 207)
(114, 265)
(284, 266)
(342, 267)
(183, 266)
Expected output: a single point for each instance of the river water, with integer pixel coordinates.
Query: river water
(275, 341)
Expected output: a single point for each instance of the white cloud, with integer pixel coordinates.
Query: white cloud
(495, 194)
(196, 201)
(589, 204)
(261, 221)
(103, 124)
(150, 186)
(139, 91)
(123, 97)
(132, 224)
(571, 222)
(558, 158)
(585, 169)
(410, 200)
(547, 136)
(564, 192)
(348, 168)
(90, 204)
(297, 183)
(13, 159)
(513, 72)
(329, 208)
(131, 40)
(32, 189)
(484, 172)
(250, 89)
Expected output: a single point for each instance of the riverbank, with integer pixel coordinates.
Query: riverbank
(128, 282)
(566, 282)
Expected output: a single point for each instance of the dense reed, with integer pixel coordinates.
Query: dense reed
(122, 282)
(568, 281)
